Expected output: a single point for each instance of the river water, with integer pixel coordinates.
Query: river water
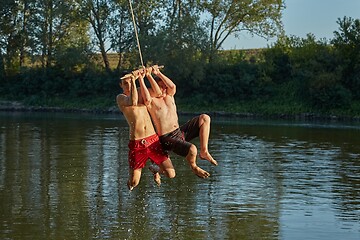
(63, 176)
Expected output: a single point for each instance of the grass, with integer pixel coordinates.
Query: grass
(93, 103)
(260, 107)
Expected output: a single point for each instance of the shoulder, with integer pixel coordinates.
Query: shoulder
(121, 99)
(121, 96)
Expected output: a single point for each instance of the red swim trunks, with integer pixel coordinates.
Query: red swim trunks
(143, 149)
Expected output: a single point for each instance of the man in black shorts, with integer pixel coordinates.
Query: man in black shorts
(178, 140)
(163, 112)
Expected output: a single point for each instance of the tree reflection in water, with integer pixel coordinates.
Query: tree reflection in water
(64, 176)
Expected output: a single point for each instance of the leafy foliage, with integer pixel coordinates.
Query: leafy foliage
(49, 55)
(347, 46)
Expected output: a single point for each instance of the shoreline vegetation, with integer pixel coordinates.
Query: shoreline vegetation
(299, 79)
(16, 106)
(70, 69)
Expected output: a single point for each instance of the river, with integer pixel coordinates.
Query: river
(63, 176)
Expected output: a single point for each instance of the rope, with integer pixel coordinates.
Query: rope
(136, 33)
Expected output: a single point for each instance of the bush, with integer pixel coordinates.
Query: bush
(326, 92)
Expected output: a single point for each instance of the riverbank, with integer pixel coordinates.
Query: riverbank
(15, 106)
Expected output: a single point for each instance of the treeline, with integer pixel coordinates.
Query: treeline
(294, 75)
(66, 33)
(57, 53)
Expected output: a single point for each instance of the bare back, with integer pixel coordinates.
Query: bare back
(164, 114)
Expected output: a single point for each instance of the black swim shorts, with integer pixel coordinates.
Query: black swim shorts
(178, 140)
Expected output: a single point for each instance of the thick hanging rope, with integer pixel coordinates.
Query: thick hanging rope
(136, 33)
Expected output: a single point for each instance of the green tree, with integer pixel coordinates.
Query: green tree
(97, 13)
(72, 53)
(230, 17)
(148, 19)
(2, 68)
(121, 31)
(10, 32)
(317, 73)
(51, 22)
(347, 45)
(24, 35)
(179, 44)
(277, 65)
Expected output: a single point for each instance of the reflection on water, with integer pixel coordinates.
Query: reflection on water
(64, 176)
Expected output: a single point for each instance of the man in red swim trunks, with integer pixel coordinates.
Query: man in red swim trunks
(163, 112)
(144, 143)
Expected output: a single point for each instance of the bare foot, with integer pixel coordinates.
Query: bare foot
(155, 170)
(157, 179)
(200, 172)
(129, 185)
(208, 157)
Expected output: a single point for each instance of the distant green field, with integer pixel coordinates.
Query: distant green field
(113, 58)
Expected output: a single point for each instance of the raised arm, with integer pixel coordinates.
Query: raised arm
(154, 86)
(134, 96)
(130, 99)
(143, 89)
(170, 85)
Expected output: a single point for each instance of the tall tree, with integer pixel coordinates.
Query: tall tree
(183, 21)
(10, 29)
(97, 13)
(121, 30)
(347, 44)
(148, 19)
(25, 15)
(230, 17)
(183, 39)
(50, 24)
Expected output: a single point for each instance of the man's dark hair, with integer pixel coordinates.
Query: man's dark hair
(123, 73)
(157, 79)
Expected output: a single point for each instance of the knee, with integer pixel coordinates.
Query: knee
(132, 183)
(170, 173)
(192, 151)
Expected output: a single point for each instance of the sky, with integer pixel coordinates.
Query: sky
(301, 17)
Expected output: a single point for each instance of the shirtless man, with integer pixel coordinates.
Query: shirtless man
(163, 112)
(144, 143)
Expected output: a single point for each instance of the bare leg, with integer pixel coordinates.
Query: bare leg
(134, 178)
(191, 158)
(167, 168)
(155, 170)
(157, 179)
(204, 124)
